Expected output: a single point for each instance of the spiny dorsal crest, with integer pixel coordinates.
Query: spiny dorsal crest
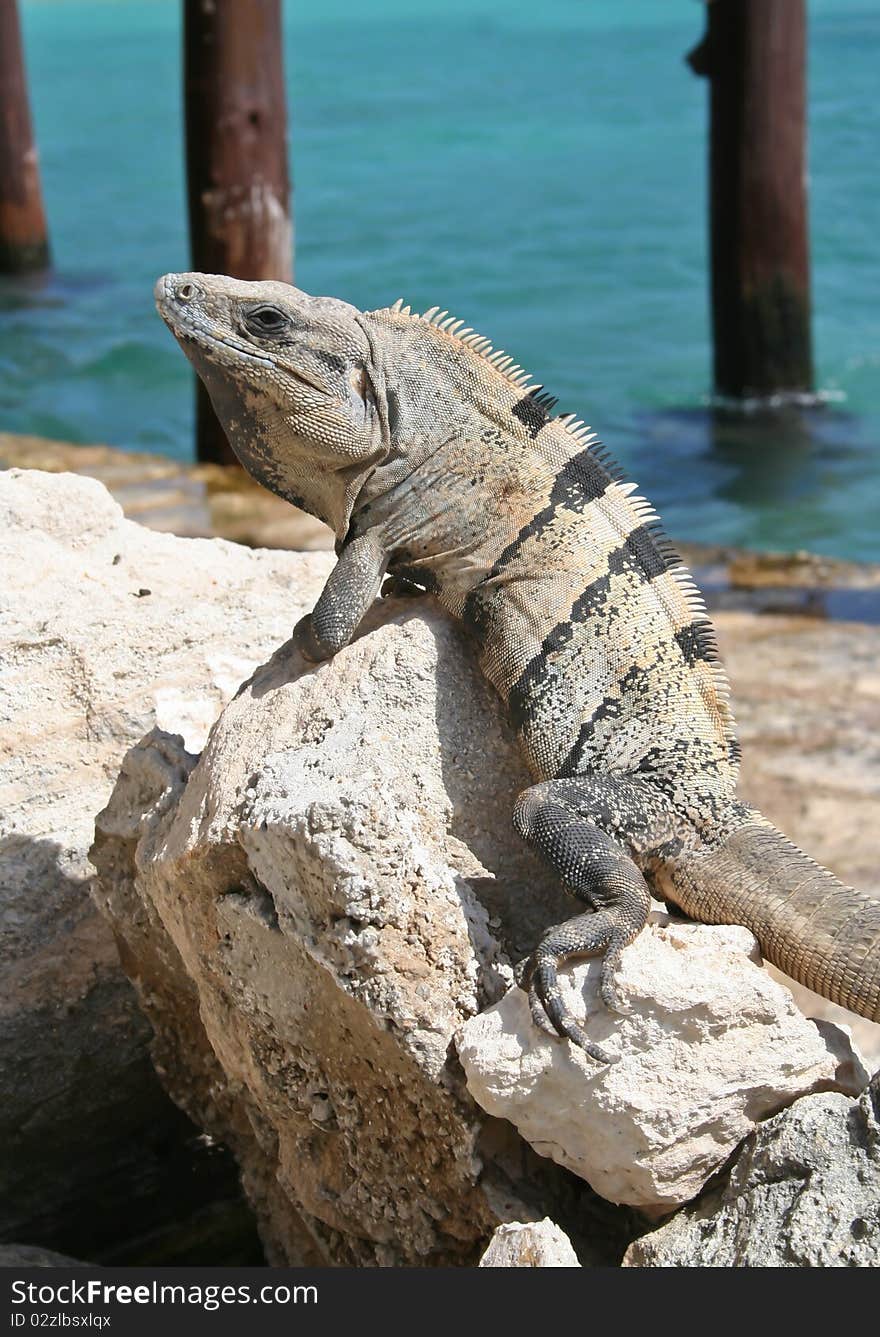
(468, 338)
(511, 372)
(581, 433)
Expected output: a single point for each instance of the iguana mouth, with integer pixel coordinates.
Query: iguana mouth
(184, 324)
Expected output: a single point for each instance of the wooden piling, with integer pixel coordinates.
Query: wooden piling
(754, 54)
(236, 152)
(24, 238)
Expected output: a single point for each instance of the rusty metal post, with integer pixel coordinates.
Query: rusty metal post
(236, 153)
(24, 239)
(754, 54)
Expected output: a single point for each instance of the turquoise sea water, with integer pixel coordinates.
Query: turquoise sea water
(537, 168)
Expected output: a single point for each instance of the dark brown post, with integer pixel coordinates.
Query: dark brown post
(236, 152)
(24, 240)
(754, 54)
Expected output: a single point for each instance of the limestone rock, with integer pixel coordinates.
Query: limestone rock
(529, 1244)
(310, 910)
(106, 629)
(803, 1192)
(711, 1045)
(338, 863)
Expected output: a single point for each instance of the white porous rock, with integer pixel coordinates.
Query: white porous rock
(530, 1244)
(107, 629)
(711, 1045)
(310, 909)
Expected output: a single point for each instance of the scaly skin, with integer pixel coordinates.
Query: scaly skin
(436, 461)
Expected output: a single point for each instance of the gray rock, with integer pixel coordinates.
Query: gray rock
(803, 1192)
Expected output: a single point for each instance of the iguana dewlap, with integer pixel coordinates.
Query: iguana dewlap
(436, 460)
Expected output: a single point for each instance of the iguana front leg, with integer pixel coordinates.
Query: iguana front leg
(583, 827)
(350, 590)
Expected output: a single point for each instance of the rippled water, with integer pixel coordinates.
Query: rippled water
(536, 168)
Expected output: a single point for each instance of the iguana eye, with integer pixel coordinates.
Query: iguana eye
(266, 320)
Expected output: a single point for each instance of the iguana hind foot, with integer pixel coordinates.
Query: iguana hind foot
(559, 819)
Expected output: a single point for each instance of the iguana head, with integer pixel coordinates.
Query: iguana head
(325, 404)
(292, 380)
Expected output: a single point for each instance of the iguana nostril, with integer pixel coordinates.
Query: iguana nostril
(186, 292)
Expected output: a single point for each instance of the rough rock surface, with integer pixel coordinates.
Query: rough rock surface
(530, 1244)
(712, 1044)
(299, 909)
(92, 660)
(106, 629)
(318, 903)
(803, 1192)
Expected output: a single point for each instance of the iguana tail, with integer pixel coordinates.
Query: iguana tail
(809, 924)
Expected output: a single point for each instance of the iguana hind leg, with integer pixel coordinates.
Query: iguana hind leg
(582, 826)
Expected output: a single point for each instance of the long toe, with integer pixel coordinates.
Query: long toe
(540, 1018)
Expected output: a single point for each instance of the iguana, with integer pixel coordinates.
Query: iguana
(436, 460)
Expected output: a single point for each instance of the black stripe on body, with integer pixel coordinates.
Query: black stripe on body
(581, 480)
(697, 641)
(667, 763)
(642, 545)
(533, 416)
(533, 411)
(609, 708)
(638, 553)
